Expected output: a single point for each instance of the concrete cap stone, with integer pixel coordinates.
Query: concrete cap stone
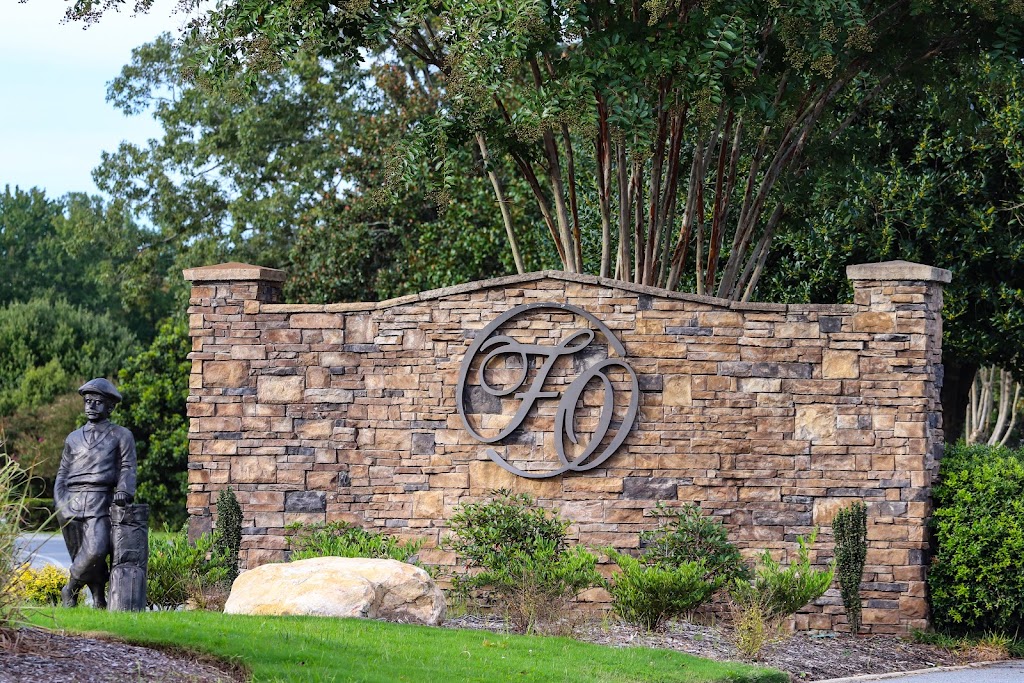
(898, 270)
(228, 272)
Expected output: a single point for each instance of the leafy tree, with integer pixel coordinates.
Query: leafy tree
(79, 249)
(671, 129)
(154, 384)
(289, 174)
(48, 346)
(937, 177)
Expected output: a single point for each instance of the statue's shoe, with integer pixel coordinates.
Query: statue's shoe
(99, 598)
(68, 596)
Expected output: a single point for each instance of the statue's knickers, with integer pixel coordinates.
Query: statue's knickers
(88, 542)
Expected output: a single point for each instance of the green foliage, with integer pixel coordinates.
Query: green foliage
(685, 535)
(40, 514)
(35, 437)
(485, 534)
(649, 595)
(519, 552)
(761, 607)
(154, 384)
(41, 586)
(975, 581)
(228, 540)
(305, 649)
(850, 530)
(46, 346)
(180, 571)
(341, 539)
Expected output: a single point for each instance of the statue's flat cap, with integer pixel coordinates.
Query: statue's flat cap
(102, 387)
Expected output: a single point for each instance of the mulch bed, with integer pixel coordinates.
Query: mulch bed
(41, 656)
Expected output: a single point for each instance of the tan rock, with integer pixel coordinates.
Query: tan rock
(840, 365)
(815, 422)
(228, 373)
(677, 391)
(284, 389)
(339, 587)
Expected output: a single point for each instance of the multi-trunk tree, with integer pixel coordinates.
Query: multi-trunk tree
(657, 139)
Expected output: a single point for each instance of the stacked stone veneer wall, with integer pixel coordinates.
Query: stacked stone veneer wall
(768, 416)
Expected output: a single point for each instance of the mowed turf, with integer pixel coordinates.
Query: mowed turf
(326, 649)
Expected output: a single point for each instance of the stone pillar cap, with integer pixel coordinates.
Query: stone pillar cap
(227, 272)
(898, 270)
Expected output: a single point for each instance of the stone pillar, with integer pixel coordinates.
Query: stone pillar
(225, 342)
(898, 328)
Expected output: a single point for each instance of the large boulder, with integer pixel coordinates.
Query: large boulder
(339, 587)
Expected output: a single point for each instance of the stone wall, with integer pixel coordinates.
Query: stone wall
(769, 416)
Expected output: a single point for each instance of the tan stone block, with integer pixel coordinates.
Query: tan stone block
(874, 322)
(315, 321)
(677, 391)
(872, 616)
(220, 447)
(761, 493)
(226, 373)
(911, 430)
(321, 481)
(797, 331)
(815, 422)
(254, 469)
(914, 608)
(887, 532)
(588, 484)
(751, 385)
(248, 351)
(315, 429)
(825, 509)
(840, 364)
(283, 389)
(450, 480)
(428, 504)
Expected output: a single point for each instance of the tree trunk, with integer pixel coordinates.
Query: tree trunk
(956, 389)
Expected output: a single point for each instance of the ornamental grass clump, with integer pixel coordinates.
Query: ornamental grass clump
(850, 530)
(183, 573)
(519, 553)
(761, 607)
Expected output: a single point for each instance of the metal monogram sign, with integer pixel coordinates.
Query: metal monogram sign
(491, 348)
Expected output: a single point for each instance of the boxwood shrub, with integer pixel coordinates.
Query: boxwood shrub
(975, 579)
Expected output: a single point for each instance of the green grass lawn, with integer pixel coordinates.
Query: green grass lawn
(325, 649)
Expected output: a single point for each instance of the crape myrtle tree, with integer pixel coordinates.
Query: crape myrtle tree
(934, 174)
(658, 140)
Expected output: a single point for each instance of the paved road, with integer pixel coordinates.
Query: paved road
(1007, 672)
(45, 548)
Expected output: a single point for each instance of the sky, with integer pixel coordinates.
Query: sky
(54, 118)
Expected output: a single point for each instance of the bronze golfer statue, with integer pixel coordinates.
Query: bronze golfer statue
(97, 469)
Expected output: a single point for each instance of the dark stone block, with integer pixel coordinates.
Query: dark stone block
(915, 556)
(254, 531)
(415, 487)
(781, 518)
(883, 604)
(581, 360)
(423, 444)
(429, 424)
(644, 302)
(195, 466)
(690, 331)
(828, 323)
(735, 368)
(299, 450)
(396, 523)
(885, 587)
(305, 501)
(651, 382)
(895, 483)
(650, 488)
(522, 437)
(199, 525)
(893, 338)
(479, 402)
(227, 436)
(282, 372)
(890, 508)
(848, 492)
(801, 500)
(244, 391)
(362, 348)
(940, 375)
(393, 393)
(337, 371)
(935, 420)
